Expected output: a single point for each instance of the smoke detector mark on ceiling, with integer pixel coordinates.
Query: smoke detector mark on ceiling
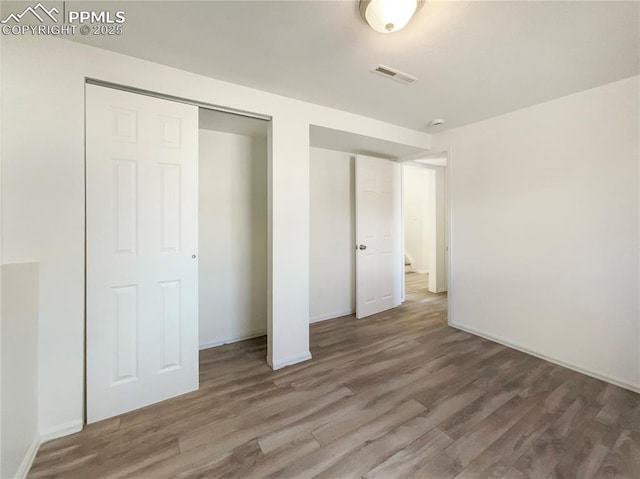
(394, 74)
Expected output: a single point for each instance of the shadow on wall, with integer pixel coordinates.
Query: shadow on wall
(19, 426)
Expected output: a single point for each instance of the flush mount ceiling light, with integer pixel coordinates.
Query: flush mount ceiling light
(387, 16)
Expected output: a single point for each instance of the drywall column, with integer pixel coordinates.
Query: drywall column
(436, 212)
(288, 241)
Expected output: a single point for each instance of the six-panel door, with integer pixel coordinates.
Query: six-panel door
(379, 272)
(142, 230)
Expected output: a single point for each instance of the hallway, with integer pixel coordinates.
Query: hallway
(416, 289)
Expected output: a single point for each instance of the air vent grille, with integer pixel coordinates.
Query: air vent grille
(394, 74)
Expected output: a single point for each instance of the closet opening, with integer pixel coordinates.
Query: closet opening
(176, 243)
(232, 228)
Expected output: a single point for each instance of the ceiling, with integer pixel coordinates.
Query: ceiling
(474, 60)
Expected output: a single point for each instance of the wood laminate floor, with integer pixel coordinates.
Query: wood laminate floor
(397, 395)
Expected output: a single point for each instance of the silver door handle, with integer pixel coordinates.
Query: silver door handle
(362, 246)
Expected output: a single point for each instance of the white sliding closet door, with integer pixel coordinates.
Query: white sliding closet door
(142, 240)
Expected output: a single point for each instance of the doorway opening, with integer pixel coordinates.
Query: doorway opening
(356, 265)
(425, 229)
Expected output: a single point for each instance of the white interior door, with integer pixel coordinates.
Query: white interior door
(379, 265)
(142, 230)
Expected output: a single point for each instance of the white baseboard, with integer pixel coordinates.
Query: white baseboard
(233, 339)
(513, 345)
(338, 314)
(28, 459)
(289, 361)
(47, 435)
(61, 430)
(421, 271)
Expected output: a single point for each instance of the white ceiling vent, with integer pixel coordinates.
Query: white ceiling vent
(394, 74)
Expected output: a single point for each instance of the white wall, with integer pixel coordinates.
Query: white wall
(437, 233)
(19, 353)
(332, 235)
(544, 229)
(416, 184)
(1, 153)
(232, 237)
(43, 82)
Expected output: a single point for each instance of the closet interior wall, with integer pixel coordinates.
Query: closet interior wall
(232, 228)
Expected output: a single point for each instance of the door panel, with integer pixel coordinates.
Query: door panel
(142, 230)
(378, 222)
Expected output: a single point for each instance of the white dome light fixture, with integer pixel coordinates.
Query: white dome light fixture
(387, 16)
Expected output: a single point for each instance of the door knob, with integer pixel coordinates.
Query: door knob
(362, 246)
